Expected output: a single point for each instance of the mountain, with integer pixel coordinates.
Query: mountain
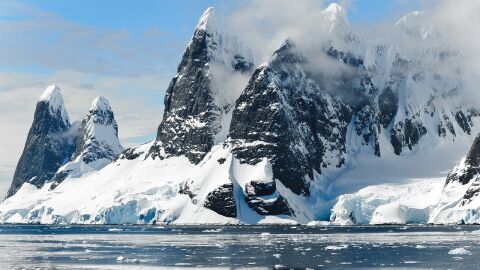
(49, 143)
(197, 111)
(459, 199)
(307, 135)
(96, 145)
(285, 117)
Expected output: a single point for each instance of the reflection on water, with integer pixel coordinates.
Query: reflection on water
(140, 247)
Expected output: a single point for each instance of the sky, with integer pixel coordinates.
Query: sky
(124, 50)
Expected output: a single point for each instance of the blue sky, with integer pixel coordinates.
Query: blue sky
(125, 50)
(172, 20)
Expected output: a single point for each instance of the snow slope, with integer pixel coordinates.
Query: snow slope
(460, 202)
(144, 191)
(388, 203)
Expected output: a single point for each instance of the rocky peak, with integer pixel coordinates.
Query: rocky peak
(97, 143)
(48, 144)
(98, 133)
(52, 96)
(473, 156)
(469, 168)
(207, 20)
(195, 107)
(283, 115)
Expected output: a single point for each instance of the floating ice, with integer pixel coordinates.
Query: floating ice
(459, 251)
(213, 231)
(336, 247)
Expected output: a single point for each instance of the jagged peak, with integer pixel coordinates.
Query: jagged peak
(53, 96)
(335, 9)
(286, 50)
(409, 17)
(51, 93)
(336, 16)
(416, 25)
(288, 43)
(206, 21)
(100, 103)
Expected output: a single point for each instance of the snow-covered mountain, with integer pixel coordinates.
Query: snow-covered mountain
(96, 143)
(459, 202)
(49, 143)
(276, 142)
(198, 108)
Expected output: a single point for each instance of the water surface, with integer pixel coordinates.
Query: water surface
(238, 247)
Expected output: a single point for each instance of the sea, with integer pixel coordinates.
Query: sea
(239, 247)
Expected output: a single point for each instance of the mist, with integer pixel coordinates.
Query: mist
(444, 28)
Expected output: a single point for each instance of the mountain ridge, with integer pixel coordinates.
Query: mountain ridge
(273, 151)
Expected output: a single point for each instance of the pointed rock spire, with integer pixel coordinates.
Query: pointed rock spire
(193, 116)
(206, 21)
(97, 143)
(53, 97)
(336, 16)
(98, 134)
(48, 145)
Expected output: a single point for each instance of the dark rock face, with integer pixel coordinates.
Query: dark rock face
(388, 106)
(463, 122)
(407, 134)
(284, 116)
(187, 125)
(130, 153)
(191, 117)
(47, 148)
(261, 196)
(468, 172)
(469, 169)
(260, 188)
(277, 206)
(221, 201)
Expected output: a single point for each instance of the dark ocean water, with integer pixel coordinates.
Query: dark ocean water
(238, 247)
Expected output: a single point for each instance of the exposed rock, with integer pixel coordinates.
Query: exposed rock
(49, 143)
(388, 106)
(186, 189)
(260, 188)
(192, 115)
(276, 206)
(221, 201)
(130, 154)
(284, 116)
(469, 168)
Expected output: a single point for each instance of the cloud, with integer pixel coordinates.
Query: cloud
(264, 25)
